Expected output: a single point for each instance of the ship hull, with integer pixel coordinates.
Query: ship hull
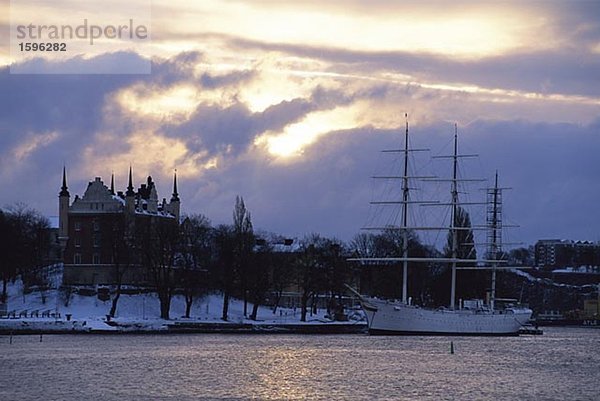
(393, 318)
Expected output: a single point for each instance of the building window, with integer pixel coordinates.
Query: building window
(96, 259)
(96, 225)
(77, 259)
(97, 240)
(77, 226)
(77, 241)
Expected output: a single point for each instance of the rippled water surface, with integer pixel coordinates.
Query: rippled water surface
(561, 364)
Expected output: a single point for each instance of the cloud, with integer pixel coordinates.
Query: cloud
(120, 62)
(34, 142)
(149, 152)
(464, 30)
(564, 71)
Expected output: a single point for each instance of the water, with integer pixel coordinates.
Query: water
(561, 364)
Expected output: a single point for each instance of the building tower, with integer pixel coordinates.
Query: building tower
(152, 200)
(63, 213)
(130, 196)
(112, 184)
(175, 202)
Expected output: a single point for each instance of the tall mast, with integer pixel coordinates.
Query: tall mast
(454, 218)
(494, 247)
(405, 217)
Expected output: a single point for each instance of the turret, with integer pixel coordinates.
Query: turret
(174, 205)
(63, 212)
(130, 195)
(152, 196)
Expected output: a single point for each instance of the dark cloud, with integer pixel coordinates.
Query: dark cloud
(551, 169)
(578, 20)
(216, 128)
(218, 81)
(121, 62)
(235, 127)
(166, 72)
(70, 104)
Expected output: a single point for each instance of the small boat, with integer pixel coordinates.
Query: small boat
(531, 330)
(470, 317)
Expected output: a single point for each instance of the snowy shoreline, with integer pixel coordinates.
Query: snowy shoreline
(98, 326)
(56, 311)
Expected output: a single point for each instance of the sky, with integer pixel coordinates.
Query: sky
(288, 104)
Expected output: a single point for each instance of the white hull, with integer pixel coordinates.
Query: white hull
(385, 317)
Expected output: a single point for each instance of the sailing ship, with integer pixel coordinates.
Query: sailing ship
(471, 317)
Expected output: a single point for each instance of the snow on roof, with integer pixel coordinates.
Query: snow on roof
(575, 270)
(119, 199)
(158, 213)
(293, 247)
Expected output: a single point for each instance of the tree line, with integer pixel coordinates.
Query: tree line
(194, 258)
(24, 247)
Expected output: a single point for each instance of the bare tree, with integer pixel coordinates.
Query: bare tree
(261, 265)
(159, 243)
(363, 245)
(468, 282)
(24, 246)
(9, 241)
(308, 266)
(224, 261)
(243, 246)
(336, 274)
(280, 277)
(122, 250)
(195, 257)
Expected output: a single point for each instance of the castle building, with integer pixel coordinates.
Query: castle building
(97, 231)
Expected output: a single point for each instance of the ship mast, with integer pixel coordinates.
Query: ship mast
(405, 217)
(454, 219)
(494, 245)
(404, 228)
(495, 233)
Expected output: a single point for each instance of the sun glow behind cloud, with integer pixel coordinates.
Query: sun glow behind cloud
(278, 81)
(175, 103)
(295, 137)
(150, 152)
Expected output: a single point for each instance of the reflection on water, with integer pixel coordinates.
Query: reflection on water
(561, 364)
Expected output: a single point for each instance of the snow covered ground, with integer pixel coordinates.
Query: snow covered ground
(137, 312)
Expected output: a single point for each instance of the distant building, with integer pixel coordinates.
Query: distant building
(91, 228)
(556, 254)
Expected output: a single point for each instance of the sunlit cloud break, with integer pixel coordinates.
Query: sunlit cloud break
(295, 137)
